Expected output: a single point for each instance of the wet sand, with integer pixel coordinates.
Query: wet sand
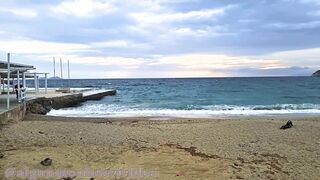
(237, 148)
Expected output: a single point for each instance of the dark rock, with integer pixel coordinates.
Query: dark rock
(1, 155)
(316, 74)
(68, 178)
(38, 109)
(287, 125)
(46, 162)
(39, 106)
(180, 173)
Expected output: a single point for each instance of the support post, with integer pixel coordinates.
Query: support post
(24, 83)
(54, 67)
(12, 82)
(1, 85)
(19, 89)
(8, 82)
(69, 89)
(46, 82)
(38, 84)
(35, 83)
(68, 69)
(61, 74)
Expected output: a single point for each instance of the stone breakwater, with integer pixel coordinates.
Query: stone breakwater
(43, 105)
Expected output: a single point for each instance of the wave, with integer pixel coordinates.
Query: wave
(111, 110)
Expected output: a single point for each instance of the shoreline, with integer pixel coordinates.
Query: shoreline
(37, 117)
(243, 148)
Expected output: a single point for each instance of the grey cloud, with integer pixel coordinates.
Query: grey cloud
(250, 27)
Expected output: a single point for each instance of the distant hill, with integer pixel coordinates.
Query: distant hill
(316, 74)
(57, 77)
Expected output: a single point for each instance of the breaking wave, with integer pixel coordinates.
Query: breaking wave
(111, 110)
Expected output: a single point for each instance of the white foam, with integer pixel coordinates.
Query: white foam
(102, 110)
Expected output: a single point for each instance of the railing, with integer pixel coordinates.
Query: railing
(22, 94)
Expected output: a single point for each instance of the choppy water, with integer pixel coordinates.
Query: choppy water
(203, 97)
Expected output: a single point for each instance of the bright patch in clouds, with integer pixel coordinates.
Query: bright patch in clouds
(21, 12)
(82, 8)
(164, 38)
(150, 18)
(28, 46)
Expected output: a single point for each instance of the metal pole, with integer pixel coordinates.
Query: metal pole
(8, 82)
(1, 85)
(54, 67)
(68, 69)
(69, 76)
(18, 82)
(38, 84)
(46, 82)
(61, 68)
(24, 83)
(35, 83)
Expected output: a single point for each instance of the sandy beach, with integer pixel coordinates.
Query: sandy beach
(238, 148)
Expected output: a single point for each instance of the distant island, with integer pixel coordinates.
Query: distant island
(316, 74)
(56, 77)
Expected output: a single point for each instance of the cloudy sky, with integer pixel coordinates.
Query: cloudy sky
(164, 38)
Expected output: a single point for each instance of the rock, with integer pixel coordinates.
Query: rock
(46, 162)
(40, 132)
(287, 125)
(316, 74)
(1, 155)
(38, 109)
(69, 178)
(39, 106)
(180, 173)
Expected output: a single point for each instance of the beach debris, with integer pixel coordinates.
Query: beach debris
(287, 125)
(1, 155)
(192, 150)
(46, 162)
(40, 132)
(180, 173)
(69, 178)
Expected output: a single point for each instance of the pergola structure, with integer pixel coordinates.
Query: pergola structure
(21, 72)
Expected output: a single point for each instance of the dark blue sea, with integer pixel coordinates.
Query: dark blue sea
(198, 97)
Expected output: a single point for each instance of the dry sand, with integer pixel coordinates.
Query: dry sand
(252, 148)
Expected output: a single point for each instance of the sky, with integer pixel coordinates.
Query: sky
(163, 38)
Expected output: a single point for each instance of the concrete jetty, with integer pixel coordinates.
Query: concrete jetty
(43, 103)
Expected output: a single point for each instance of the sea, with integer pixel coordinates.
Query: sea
(196, 97)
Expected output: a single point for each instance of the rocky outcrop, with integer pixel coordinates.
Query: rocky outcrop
(316, 74)
(39, 106)
(44, 105)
